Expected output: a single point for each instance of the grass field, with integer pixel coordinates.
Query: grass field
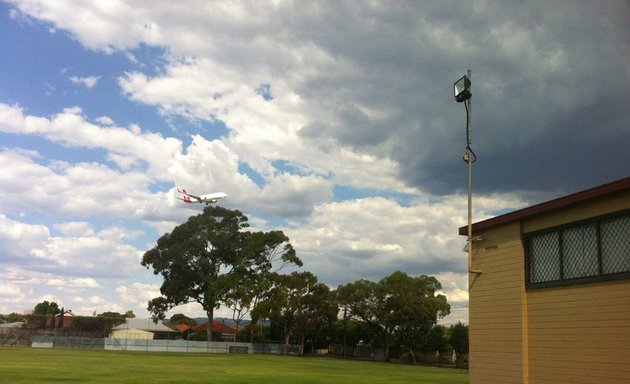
(33, 365)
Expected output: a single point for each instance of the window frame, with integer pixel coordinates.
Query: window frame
(563, 281)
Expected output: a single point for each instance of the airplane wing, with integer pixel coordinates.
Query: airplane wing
(193, 196)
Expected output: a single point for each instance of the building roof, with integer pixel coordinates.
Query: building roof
(561, 202)
(216, 327)
(17, 324)
(182, 327)
(143, 324)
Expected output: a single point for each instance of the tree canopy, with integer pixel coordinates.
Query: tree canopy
(398, 305)
(203, 259)
(46, 308)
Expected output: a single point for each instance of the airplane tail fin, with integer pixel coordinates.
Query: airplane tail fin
(186, 198)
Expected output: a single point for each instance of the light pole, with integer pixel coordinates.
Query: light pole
(463, 94)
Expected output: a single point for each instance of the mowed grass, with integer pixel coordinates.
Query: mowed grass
(34, 365)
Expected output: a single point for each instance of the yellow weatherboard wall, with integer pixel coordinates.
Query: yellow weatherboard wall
(563, 334)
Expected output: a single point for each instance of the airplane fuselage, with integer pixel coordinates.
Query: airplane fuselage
(210, 198)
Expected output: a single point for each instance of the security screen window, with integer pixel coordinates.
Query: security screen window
(616, 245)
(579, 252)
(544, 258)
(595, 250)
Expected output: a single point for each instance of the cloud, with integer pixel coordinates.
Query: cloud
(89, 82)
(96, 256)
(384, 88)
(73, 284)
(133, 149)
(373, 237)
(75, 228)
(138, 293)
(291, 109)
(66, 189)
(102, 254)
(17, 239)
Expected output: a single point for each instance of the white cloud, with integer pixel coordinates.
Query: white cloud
(372, 237)
(73, 284)
(97, 256)
(75, 228)
(70, 128)
(82, 189)
(104, 120)
(138, 293)
(17, 240)
(89, 82)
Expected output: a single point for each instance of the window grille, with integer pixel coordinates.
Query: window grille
(579, 252)
(616, 245)
(544, 256)
(595, 250)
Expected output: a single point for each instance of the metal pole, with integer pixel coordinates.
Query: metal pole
(469, 159)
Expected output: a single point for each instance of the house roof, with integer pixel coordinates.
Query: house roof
(216, 326)
(17, 324)
(561, 202)
(143, 324)
(183, 327)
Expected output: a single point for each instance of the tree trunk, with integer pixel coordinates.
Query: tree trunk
(286, 344)
(237, 326)
(210, 314)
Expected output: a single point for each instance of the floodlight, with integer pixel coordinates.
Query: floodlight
(462, 89)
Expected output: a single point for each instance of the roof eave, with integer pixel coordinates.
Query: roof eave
(547, 206)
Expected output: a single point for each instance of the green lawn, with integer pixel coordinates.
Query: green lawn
(34, 365)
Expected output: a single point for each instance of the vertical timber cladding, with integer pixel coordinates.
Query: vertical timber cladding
(497, 338)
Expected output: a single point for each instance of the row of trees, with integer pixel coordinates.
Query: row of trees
(49, 317)
(213, 260)
(46, 308)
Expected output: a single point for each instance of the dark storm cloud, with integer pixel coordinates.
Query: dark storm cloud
(550, 79)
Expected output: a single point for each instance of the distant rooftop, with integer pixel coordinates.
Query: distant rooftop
(143, 324)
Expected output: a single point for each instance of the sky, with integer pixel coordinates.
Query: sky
(332, 121)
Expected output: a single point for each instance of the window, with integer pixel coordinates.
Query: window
(598, 249)
(616, 245)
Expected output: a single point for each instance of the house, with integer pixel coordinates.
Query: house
(551, 303)
(65, 319)
(144, 329)
(227, 333)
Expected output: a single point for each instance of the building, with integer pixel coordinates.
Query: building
(227, 332)
(144, 329)
(551, 303)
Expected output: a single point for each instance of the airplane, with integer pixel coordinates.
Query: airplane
(203, 199)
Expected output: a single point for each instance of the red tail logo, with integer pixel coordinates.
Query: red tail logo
(186, 198)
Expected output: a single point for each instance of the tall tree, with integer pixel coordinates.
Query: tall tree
(239, 300)
(458, 337)
(202, 259)
(294, 303)
(46, 308)
(401, 304)
(276, 252)
(365, 301)
(319, 312)
(413, 307)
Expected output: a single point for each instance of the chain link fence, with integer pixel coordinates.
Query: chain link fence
(38, 338)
